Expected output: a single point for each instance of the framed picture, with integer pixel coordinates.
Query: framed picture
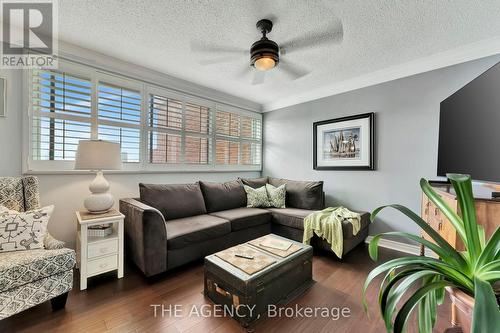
(344, 143)
(3, 96)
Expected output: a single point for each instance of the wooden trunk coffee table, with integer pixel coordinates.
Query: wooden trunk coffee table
(245, 290)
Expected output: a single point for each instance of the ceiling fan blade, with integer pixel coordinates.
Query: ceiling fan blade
(203, 47)
(292, 70)
(243, 72)
(333, 34)
(219, 60)
(258, 77)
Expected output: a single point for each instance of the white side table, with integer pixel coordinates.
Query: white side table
(97, 255)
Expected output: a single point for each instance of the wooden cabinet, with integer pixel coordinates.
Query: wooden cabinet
(487, 210)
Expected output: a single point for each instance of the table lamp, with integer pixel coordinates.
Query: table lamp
(98, 155)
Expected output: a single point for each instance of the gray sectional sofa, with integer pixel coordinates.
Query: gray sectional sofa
(170, 225)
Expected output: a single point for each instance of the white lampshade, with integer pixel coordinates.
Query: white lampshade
(98, 155)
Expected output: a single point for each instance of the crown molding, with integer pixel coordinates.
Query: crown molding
(468, 52)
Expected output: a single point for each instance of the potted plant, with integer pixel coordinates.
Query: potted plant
(470, 274)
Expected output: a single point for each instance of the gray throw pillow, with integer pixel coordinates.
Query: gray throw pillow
(257, 197)
(277, 195)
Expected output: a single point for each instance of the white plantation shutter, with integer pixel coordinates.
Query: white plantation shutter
(119, 119)
(238, 139)
(165, 130)
(179, 131)
(198, 128)
(251, 136)
(61, 109)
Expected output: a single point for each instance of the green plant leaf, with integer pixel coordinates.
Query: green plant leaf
(489, 267)
(427, 313)
(387, 288)
(452, 273)
(491, 277)
(405, 311)
(389, 276)
(452, 216)
(491, 251)
(430, 231)
(485, 315)
(440, 295)
(395, 295)
(463, 189)
(482, 235)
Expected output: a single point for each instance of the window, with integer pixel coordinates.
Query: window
(158, 129)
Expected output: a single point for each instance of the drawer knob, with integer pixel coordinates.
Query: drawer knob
(103, 265)
(104, 249)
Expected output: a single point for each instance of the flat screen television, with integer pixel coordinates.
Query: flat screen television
(469, 129)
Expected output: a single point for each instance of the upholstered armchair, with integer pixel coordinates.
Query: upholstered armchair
(31, 277)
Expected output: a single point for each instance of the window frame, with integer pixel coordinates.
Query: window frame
(95, 76)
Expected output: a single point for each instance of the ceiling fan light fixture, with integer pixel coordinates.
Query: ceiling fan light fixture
(264, 64)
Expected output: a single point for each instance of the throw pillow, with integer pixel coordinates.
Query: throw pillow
(256, 197)
(23, 230)
(277, 195)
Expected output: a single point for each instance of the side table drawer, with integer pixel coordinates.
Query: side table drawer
(102, 265)
(102, 248)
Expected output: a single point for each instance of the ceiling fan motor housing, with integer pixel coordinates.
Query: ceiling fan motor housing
(264, 48)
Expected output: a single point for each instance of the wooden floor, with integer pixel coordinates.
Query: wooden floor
(110, 305)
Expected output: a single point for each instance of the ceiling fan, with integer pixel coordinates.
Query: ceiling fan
(266, 54)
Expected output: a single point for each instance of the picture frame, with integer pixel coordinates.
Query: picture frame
(3, 95)
(346, 143)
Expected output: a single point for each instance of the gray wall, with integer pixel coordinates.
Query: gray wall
(10, 126)
(406, 121)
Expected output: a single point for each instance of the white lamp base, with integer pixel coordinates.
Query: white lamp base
(100, 201)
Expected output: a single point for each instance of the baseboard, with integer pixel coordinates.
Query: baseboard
(401, 247)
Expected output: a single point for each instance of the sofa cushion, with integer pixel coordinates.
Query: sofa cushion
(301, 194)
(294, 218)
(244, 217)
(21, 267)
(254, 182)
(190, 230)
(174, 201)
(223, 196)
(290, 217)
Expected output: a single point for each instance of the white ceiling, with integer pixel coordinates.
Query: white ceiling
(377, 35)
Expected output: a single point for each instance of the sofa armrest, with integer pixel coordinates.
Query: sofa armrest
(145, 236)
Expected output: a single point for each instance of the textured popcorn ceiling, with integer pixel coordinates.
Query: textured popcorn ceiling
(378, 34)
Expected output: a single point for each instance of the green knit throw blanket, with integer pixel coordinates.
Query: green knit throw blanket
(327, 224)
